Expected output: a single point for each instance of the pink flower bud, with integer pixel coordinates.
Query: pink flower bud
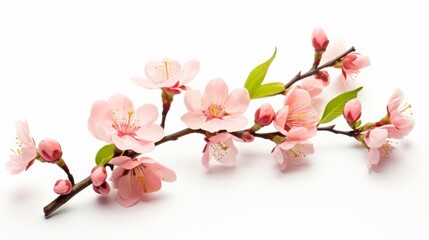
(98, 175)
(324, 77)
(352, 110)
(63, 187)
(319, 39)
(103, 189)
(50, 150)
(265, 115)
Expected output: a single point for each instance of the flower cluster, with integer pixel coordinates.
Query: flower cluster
(218, 114)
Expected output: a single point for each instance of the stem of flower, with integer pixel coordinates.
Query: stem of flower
(352, 133)
(313, 70)
(62, 164)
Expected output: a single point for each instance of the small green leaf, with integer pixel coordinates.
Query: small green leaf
(257, 75)
(358, 123)
(104, 155)
(335, 107)
(268, 89)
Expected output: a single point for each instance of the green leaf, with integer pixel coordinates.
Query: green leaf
(257, 75)
(268, 89)
(335, 107)
(104, 155)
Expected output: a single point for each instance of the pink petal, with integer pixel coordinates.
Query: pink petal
(193, 100)
(163, 172)
(299, 97)
(126, 142)
(146, 114)
(237, 102)
(297, 161)
(100, 117)
(214, 125)
(395, 100)
(221, 137)
(190, 70)
(121, 104)
(194, 120)
(216, 92)
(23, 133)
(119, 160)
(280, 120)
(278, 155)
(235, 123)
(127, 196)
(144, 82)
(287, 145)
(14, 166)
(225, 156)
(376, 137)
(362, 61)
(206, 156)
(373, 156)
(150, 133)
(117, 173)
(131, 164)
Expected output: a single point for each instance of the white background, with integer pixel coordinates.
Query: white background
(56, 59)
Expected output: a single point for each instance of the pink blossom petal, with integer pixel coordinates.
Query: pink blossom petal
(237, 102)
(150, 133)
(287, 145)
(119, 160)
(190, 70)
(99, 120)
(121, 104)
(23, 133)
(117, 173)
(376, 137)
(216, 91)
(146, 114)
(129, 143)
(373, 156)
(131, 164)
(224, 153)
(214, 125)
(234, 122)
(127, 196)
(395, 100)
(206, 156)
(144, 82)
(298, 97)
(194, 120)
(163, 172)
(280, 120)
(297, 161)
(278, 155)
(193, 100)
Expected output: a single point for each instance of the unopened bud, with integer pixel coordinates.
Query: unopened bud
(352, 110)
(98, 175)
(50, 150)
(265, 115)
(63, 187)
(103, 189)
(319, 39)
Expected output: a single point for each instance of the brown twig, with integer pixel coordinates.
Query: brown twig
(313, 70)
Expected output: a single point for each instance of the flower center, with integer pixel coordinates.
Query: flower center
(219, 150)
(405, 109)
(126, 124)
(164, 69)
(17, 150)
(296, 151)
(215, 111)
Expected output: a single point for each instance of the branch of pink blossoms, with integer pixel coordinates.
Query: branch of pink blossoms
(218, 114)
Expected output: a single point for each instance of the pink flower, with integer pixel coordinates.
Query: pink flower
(168, 75)
(294, 149)
(319, 39)
(103, 189)
(98, 175)
(379, 148)
(50, 150)
(216, 110)
(400, 116)
(352, 64)
(265, 115)
(315, 84)
(23, 157)
(136, 177)
(63, 187)
(352, 110)
(220, 147)
(297, 112)
(116, 121)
